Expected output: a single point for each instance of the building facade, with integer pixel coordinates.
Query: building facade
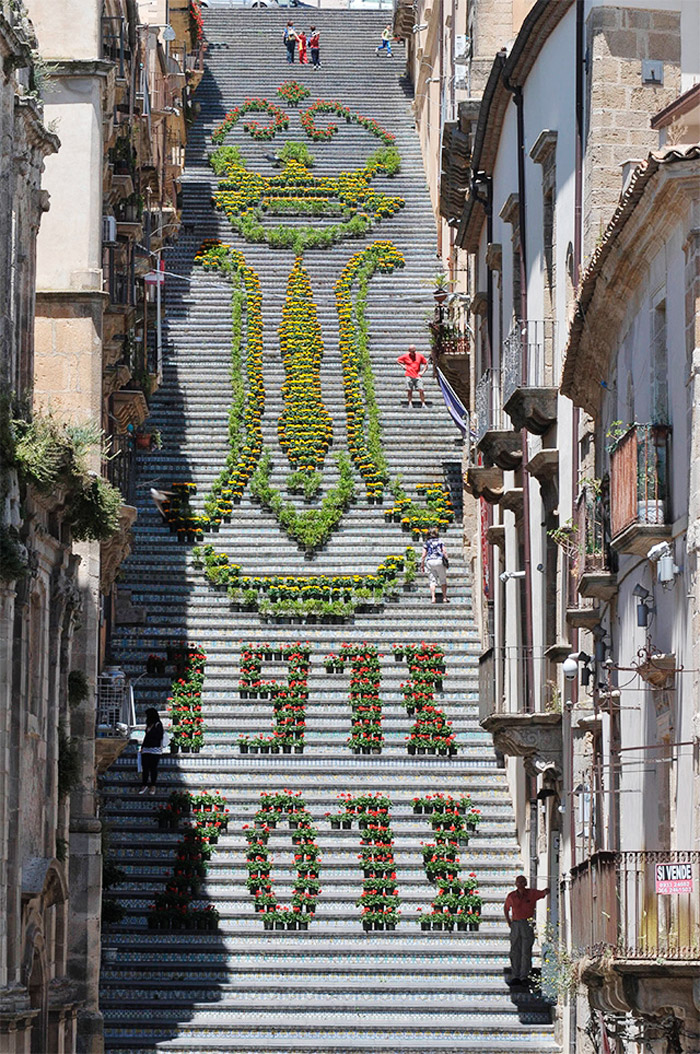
(94, 117)
(596, 722)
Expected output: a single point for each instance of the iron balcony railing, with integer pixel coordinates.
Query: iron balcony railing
(119, 467)
(639, 477)
(540, 339)
(618, 905)
(588, 550)
(115, 44)
(489, 408)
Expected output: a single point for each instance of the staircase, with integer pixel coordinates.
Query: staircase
(334, 987)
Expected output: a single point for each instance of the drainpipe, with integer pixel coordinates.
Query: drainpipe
(487, 203)
(578, 252)
(517, 93)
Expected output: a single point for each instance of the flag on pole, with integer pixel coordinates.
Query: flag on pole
(455, 407)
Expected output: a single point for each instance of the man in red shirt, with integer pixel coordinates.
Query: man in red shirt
(414, 365)
(519, 910)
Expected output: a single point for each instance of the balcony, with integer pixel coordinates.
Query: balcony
(115, 717)
(639, 489)
(591, 562)
(534, 737)
(119, 466)
(501, 445)
(115, 43)
(485, 482)
(640, 947)
(529, 389)
(488, 704)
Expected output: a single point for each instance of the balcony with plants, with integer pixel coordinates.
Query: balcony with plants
(640, 471)
(530, 390)
(591, 563)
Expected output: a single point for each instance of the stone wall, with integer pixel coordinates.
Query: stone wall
(619, 105)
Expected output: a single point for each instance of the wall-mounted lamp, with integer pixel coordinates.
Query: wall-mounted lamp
(644, 610)
(511, 574)
(599, 634)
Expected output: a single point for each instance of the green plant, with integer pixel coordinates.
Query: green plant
(61, 848)
(112, 911)
(78, 687)
(93, 510)
(51, 456)
(300, 152)
(13, 555)
(225, 156)
(68, 762)
(566, 536)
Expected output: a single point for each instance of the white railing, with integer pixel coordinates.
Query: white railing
(115, 711)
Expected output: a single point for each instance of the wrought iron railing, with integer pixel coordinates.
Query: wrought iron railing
(115, 42)
(119, 467)
(588, 550)
(639, 477)
(540, 338)
(489, 410)
(616, 905)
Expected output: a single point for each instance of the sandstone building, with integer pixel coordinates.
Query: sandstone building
(93, 113)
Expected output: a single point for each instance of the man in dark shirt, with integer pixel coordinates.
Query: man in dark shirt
(519, 910)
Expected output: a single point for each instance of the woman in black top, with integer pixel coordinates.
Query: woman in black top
(151, 749)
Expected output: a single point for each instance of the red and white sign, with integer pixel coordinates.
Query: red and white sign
(156, 277)
(674, 878)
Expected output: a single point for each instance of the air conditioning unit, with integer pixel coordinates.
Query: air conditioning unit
(109, 230)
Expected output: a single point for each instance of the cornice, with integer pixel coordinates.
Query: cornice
(661, 191)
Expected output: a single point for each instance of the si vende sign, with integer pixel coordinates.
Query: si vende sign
(674, 878)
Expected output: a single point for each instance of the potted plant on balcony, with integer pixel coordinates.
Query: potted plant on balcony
(148, 440)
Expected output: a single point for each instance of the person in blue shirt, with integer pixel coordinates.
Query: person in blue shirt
(435, 562)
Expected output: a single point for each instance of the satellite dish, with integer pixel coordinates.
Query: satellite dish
(169, 33)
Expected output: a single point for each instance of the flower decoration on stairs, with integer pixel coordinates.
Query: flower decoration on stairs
(305, 429)
(279, 121)
(172, 909)
(458, 902)
(293, 92)
(248, 198)
(432, 732)
(362, 412)
(366, 736)
(288, 700)
(185, 703)
(380, 896)
(289, 808)
(295, 598)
